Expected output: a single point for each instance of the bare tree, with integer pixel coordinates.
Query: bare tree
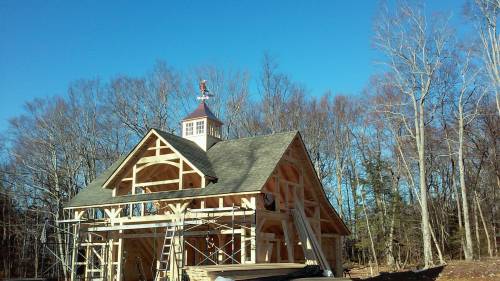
(147, 102)
(484, 14)
(415, 51)
(274, 88)
(468, 97)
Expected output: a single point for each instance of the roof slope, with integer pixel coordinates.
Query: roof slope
(241, 165)
(245, 164)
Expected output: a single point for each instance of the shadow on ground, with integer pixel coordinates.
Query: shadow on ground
(430, 274)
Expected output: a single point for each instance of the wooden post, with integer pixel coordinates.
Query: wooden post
(87, 256)
(338, 256)
(134, 179)
(176, 257)
(278, 250)
(243, 245)
(103, 261)
(253, 236)
(277, 194)
(74, 253)
(287, 197)
(317, 222)
(300, 188)
(220, 253)
(288, 240)
(112, 213)
(134, 172)
(110, 260)
(119, 276)
(181, 173)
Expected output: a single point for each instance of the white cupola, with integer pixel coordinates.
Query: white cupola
(202, 126)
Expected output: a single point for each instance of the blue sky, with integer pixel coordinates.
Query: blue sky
(45, 45)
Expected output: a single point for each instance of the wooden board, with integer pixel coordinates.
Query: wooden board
(241, 271)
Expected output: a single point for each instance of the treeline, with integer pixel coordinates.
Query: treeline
(412, 164)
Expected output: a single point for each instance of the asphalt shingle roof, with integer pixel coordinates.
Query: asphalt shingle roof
(241, 165)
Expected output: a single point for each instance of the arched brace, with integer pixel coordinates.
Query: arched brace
(156, 163)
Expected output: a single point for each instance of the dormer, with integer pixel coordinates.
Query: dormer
(202, 127)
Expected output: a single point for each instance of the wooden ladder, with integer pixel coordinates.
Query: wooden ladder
(308, 238)
(163, 265)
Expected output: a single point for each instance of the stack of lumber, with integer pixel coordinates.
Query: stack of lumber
(241, 271)
(310, 244)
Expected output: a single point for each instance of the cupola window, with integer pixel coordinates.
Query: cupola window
(200, 127)
(189, 128)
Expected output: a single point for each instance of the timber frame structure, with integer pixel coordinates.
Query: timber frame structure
(177, 202)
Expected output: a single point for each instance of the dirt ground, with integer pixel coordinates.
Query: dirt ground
(484, 270)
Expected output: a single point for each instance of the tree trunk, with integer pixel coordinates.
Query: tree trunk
(465, 206)
(476, 228)
(438, 249)
(459, 209)
(426, 236)
(56, 214)
(494, 213)
(340, 199)
(490, 252)
(372, 244)
(390, 244)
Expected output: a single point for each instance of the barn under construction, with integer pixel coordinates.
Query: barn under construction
(189, 207)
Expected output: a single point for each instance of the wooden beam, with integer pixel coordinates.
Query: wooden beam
(140, 226)
(79, 214)
(270, 215)
(143, 184)
(156, 147)
(189, 172)
(189, 215)
(142, 167)
(157, 158)
(186, 234)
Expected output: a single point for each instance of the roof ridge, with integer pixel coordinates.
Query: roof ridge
(172, 134)
(260, 136)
